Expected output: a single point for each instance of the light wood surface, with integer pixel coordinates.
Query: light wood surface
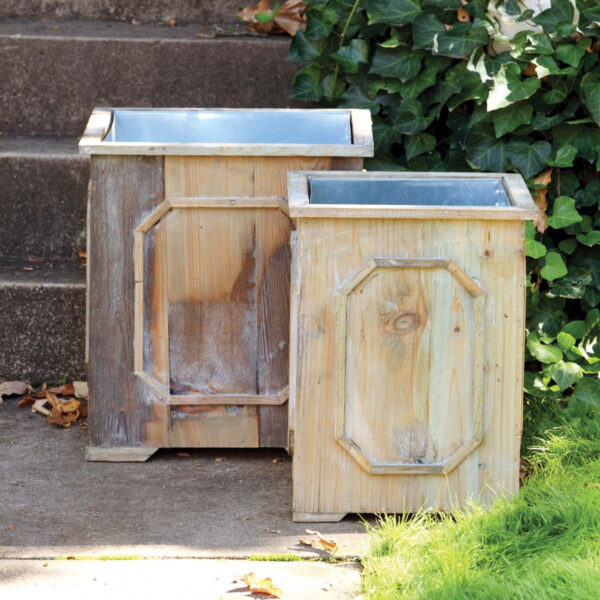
(432, 373)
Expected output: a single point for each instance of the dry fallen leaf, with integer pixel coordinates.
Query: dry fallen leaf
(276, 461)
(327, 543)
(261, 586)
(63, 390)
(306, 542)
(268, 530)
(172, 22)
(81, 389)
(289, 18)
(63, 413)
(13, 388)
(40, 406)
(183, 454)
(220, 459)
(540, 199)
(83, 256)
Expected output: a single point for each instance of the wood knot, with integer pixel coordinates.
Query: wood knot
(402, 323)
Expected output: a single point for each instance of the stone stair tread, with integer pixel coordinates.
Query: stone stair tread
(146, 10)
(33, 274)
(23, 28)
(121, 64)
(40, 146)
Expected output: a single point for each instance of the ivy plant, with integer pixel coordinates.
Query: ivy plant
(449, 90)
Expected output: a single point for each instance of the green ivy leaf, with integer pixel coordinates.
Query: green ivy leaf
(533, 248)
(349, 57)
(400, 63)
(586, 139)
(488, 153)
(529, 158)
(444, 4)
(546, 66)
(587, 391)
(460, 41)
(554, 267)
(572, 285)
(565, 340)
(564, 213)
(589, 239)
(562, 156)
(424, 28)
(357, 97)
(568, 246)
(391, 12)
(320, 22)
(303, 50)
(305, 85)
(571, 54)
(576, 329)
(590, 90)
(560, 12)
(509, 118)
(545, 353)
(415, 86)
(410, 118)
(384, 135)
(509, 87)
(332, 87)
(566, 374)
(415, 145)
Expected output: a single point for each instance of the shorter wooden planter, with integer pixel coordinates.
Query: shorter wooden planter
(408, 304)
(189, 271)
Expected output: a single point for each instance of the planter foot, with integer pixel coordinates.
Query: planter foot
(95, 454)
(307, 517)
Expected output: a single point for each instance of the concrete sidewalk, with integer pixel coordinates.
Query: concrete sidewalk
(212, 504)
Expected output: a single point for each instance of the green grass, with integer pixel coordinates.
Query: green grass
(543, 544)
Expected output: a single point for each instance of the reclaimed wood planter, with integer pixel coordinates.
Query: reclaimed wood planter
(407, 340)
(188, 271)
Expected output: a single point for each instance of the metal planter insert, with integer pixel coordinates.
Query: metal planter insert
(407, 339)
(189, 262)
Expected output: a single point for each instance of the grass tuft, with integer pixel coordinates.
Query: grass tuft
(542, 544)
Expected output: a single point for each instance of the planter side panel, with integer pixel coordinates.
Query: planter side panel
(123, 412)
(327, 479)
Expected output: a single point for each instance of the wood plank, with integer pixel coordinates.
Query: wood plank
(214, 427)
(327, 479)
(124, 412)
(139, 454)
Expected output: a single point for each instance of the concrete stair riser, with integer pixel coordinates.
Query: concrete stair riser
(198, 11)
(43, 185)
(42, 327)
(52, 78)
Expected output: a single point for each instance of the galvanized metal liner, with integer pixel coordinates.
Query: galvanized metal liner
(230, 127)
(409, 192)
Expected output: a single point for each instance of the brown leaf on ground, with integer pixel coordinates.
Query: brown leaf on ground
(13, 388)
(327, 543)
(82, 256)
(83, 411)
(26, 401)
(261, 586)
(276, 461)
(269, 530)
(305, 542)
(289, 18)
(62, 413)
(40, 406)
(183, 454)
(220, 459)
(544, 179)
(63, 390)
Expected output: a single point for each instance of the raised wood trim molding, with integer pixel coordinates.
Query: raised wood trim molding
(451, 462)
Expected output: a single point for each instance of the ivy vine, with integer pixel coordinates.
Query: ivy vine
(460, 85)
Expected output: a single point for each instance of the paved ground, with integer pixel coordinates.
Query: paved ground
(212, 504)
(171, 578)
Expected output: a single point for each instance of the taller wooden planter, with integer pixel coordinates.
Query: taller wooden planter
(407, 340)
(189, 265)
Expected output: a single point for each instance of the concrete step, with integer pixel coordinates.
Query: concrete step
(54, 73)
(42, 327)
(43, 184)
(199, 11)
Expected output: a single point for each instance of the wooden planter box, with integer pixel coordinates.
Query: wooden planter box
(188, 271)
(407, 340)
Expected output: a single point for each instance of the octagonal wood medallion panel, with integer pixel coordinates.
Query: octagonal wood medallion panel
(211, 319)
(409, 352)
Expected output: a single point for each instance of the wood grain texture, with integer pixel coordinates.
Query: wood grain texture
(214, 427)
(124, 412)
(327, 478)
